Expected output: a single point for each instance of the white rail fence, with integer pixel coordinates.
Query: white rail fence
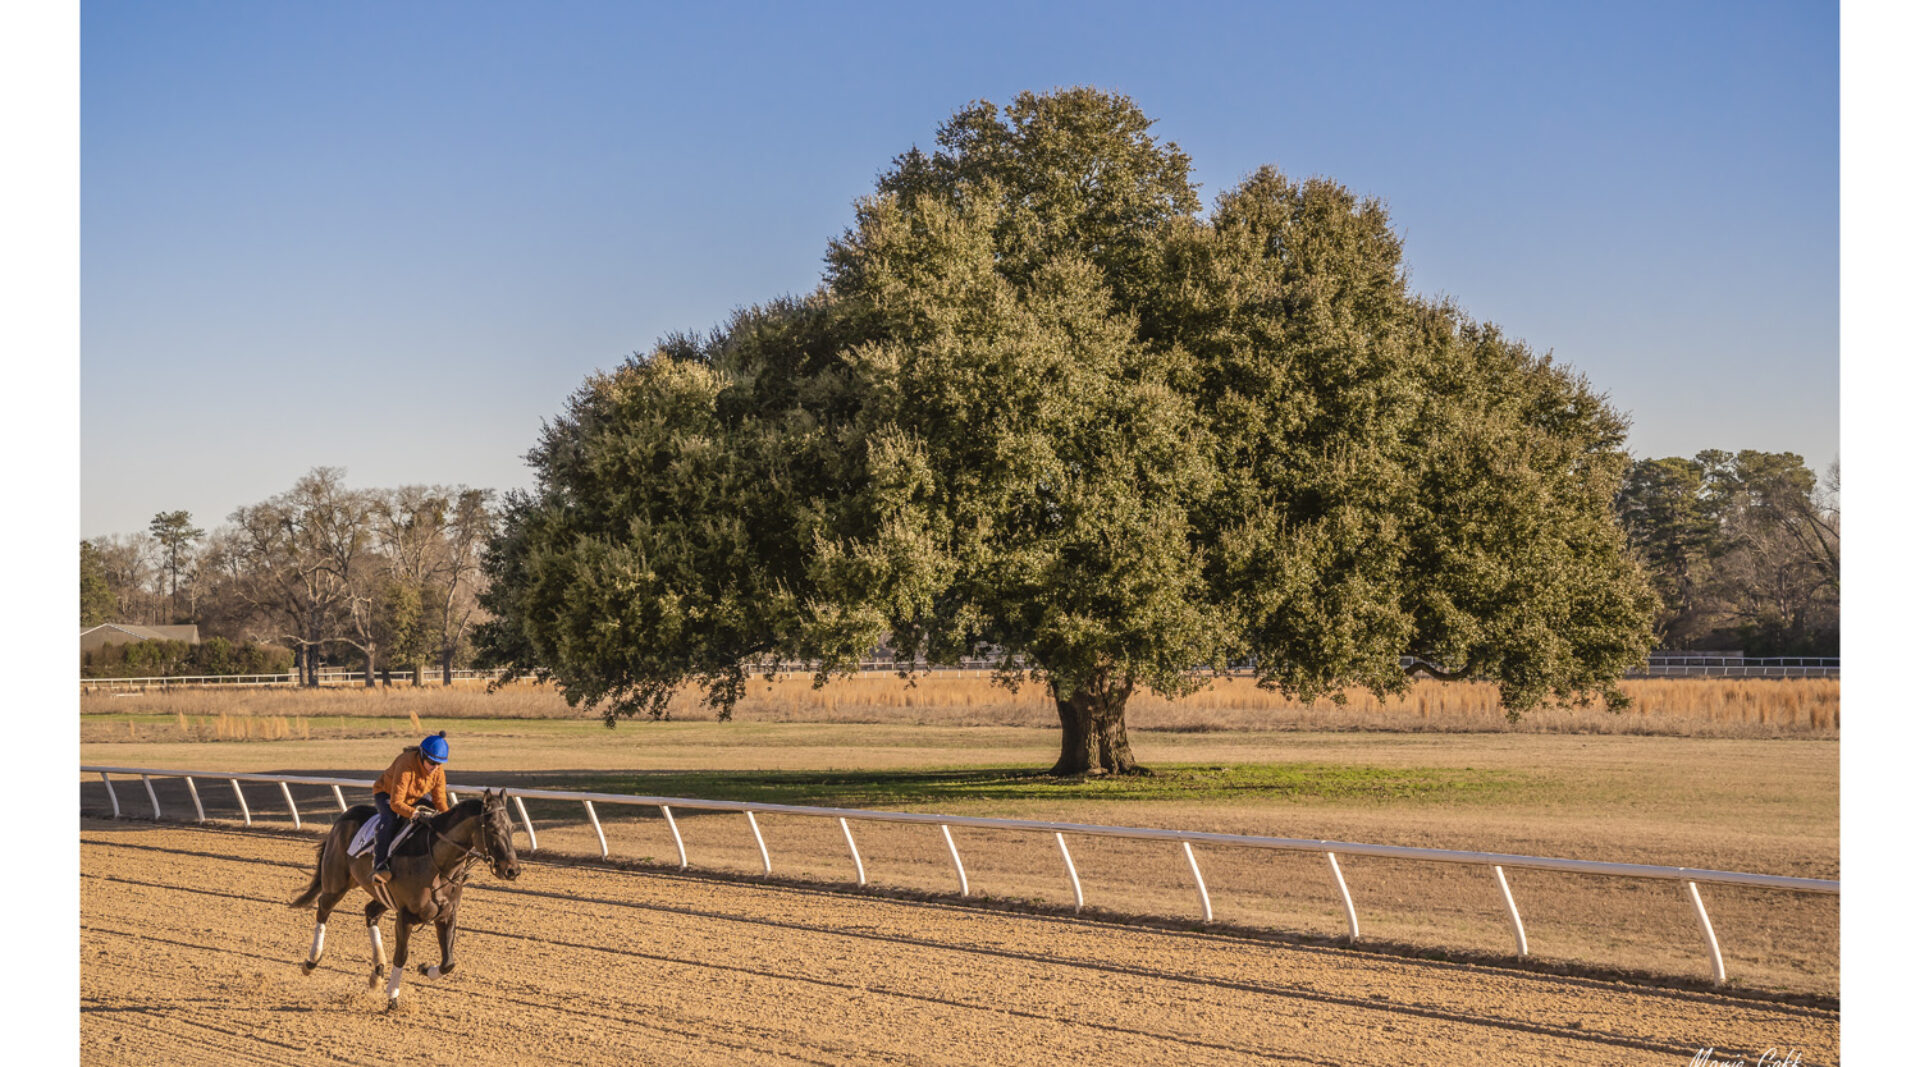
(1686, 665)
(1497, 863)
(1659, 666)
(328, 677)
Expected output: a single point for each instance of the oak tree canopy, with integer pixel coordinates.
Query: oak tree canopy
(1041, 403)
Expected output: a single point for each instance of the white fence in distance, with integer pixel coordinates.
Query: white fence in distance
(1692, 665)
(1660, 665)
(1497, 863)
(329, 677)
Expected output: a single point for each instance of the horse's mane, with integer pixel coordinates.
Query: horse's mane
(469, 806)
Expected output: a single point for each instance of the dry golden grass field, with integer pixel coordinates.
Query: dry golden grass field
(1729, 775)
(1693, 707)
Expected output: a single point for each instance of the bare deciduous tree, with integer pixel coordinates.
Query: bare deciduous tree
(294, 557)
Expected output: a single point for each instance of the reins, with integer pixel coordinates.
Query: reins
(470, 855)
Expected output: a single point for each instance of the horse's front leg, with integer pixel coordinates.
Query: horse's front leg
(374, 910)
(446, 923)
(402, 929)
(445, 927)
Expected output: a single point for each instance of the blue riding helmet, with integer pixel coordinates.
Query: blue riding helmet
(435, 748)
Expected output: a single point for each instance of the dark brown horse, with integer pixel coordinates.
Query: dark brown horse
(429, 870)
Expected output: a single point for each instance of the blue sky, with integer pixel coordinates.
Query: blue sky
(393, 238)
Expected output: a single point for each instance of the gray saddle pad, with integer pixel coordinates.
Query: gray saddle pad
(363, 841)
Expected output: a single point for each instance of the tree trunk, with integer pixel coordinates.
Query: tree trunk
(369, 655)
(1093, 732)
(1079, 748)
(446, 665)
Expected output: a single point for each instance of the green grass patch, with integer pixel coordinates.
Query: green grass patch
(1177, 782)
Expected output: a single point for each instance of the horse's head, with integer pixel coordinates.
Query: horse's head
(496, 835)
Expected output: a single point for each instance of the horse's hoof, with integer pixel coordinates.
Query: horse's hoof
(373, 981)
(307, 967)
(393, 1004)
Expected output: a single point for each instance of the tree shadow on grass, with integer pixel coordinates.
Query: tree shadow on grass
(878, 789)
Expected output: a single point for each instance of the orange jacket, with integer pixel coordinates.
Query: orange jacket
(411, 777)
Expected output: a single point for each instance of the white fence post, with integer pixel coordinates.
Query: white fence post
(288, 793)
(677, 842)
(199, 813)
(947, 832)
(1206, 903)
(1497, 862)
(1706, 929)
(1513, 913)
(1079, 900)
(1353, 919)
(597, 832)
(242, 798)
(859, 869)
(533, 843)
(766, 861)
(339, 799)
(111, 795)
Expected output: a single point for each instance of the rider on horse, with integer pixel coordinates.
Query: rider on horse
(419, 770)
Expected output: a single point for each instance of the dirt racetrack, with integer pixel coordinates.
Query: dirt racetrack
(189, 955)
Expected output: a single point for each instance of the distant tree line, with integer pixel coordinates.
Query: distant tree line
(386, 579)
(1743, 550)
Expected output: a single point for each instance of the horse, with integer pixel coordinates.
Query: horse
(429, 870)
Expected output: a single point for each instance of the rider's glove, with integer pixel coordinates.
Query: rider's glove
(421, 815)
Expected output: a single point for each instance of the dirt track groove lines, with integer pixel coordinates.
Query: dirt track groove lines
(1183, 997)
(356, 972)
(1180, 996)
(844, 986)
(1444, 974)
(199, 1036)
(1471, 974)
(1265, 989)
(613, 967)
(551, 947)
(206, 1041)
(418, 1021)
(966, 1005)
(284, 956)
(1055, 958)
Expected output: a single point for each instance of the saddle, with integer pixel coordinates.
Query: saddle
(362, 843)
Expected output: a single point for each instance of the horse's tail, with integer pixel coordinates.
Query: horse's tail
(312, 891)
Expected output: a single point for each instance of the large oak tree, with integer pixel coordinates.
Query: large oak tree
(1040, 404)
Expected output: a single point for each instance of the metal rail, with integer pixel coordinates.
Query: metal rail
(327, 678)
(1659, 665)
(1691, 877)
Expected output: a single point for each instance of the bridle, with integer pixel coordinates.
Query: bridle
(469, 854)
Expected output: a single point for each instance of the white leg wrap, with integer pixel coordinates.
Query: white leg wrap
(319, 942)
(379, 947)
(433, 971)
(393, 984)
